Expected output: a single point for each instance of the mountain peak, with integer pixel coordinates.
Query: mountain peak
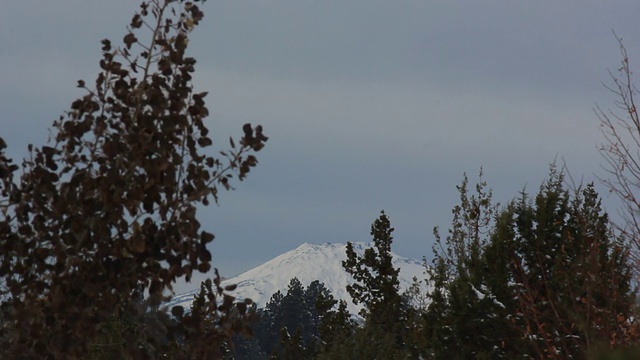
(308, 262)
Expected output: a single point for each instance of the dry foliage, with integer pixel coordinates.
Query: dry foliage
(621, 149)
(109, 204)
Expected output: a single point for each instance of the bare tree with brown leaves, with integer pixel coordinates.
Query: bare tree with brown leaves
(621, 148)
(109, 204)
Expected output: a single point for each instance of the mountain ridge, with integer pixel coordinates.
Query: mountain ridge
(308, 262)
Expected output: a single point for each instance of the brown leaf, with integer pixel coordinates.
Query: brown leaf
(138, 244)
(129, 40)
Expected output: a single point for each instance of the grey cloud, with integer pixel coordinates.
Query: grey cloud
(369, 104)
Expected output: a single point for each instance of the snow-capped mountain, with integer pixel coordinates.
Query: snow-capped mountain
(308, 262)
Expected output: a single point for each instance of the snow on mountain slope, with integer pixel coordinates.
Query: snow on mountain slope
(308, 262)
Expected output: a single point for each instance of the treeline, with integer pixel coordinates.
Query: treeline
(542, 277)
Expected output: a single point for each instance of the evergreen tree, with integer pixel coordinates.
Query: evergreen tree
(246, 346)
(319, 301)
(297, 313)
(335, 328)
(548, 280)
(286, 314)
(303, 312)
(290, 347)
(573, 275)
(468, 316)
(376, 283)
(267, 330)
(376, 286)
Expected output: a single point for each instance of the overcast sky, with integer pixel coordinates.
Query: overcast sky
(369, 104)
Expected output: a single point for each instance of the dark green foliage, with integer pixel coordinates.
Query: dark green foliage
(294, 323)
(366, 342)
(110, 203)
(376, 286)
(573, 275)
(289, 312)
(468, 314)
(246, 345)
(541, 279)
(336, 328)
(296, 314)
(247, 348)
(291, 347)
(621, 353)
(376, 283)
